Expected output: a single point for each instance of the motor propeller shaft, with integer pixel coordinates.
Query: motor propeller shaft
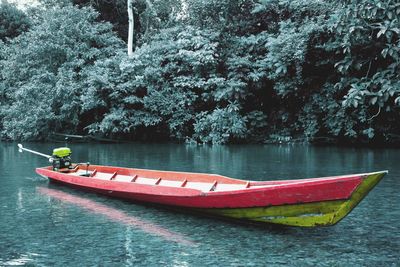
(21, 149)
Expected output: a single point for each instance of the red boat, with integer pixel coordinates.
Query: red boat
(305, 202)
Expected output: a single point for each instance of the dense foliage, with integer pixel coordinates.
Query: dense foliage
(205, 71)
(13, 21)
(44, 71)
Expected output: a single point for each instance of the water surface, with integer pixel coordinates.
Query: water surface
(43, 224)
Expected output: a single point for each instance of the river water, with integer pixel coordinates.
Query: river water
(44, 224)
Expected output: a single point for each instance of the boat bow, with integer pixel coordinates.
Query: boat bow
(319, 213)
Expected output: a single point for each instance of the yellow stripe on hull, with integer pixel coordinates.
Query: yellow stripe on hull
(322, 213)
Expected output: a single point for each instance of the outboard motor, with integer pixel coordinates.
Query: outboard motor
(61, 158)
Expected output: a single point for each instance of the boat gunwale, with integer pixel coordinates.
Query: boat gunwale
(256, 188)
(252, 185)
(252, 182)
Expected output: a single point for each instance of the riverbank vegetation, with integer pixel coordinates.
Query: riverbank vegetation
(204, 71)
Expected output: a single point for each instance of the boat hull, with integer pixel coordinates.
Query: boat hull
(307, 202)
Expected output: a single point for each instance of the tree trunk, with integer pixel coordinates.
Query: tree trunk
(151, 12)
(131, 27)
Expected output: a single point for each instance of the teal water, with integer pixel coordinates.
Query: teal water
(43, 224)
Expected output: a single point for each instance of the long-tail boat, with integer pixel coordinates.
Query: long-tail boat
(303, 202)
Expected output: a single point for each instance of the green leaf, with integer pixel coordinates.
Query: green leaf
(382, 31)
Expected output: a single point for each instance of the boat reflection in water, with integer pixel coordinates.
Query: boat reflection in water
(116, 215)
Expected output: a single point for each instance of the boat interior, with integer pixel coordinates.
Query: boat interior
(199, 181)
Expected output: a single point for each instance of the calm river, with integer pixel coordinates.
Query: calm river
(44, 224)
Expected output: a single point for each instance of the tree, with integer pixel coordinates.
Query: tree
(158, 90)
(206, 70)
(45, 74)
(13, 21)
(367, 41)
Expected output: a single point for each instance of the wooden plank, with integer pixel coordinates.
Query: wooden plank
(114, 175)
(93, 173)
(213, 186)
(134, 178)
(184, 183)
